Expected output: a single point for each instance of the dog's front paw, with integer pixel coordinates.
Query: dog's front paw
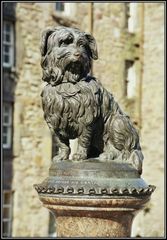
(60, 157)
(79, 156)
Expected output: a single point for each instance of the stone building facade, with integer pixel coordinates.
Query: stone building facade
(152, 106)
(130, 45)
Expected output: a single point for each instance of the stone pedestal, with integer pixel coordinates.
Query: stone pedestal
(93, 199)
(93, 217)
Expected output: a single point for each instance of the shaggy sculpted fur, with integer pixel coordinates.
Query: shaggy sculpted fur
(76, 105)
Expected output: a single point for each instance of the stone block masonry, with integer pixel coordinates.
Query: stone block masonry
(32, 140)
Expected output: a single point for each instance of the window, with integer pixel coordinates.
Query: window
(131, 16)
(8, 44)
(7, 213)
(130, 79)
(7, 125)
(65, 8)
(59, 6)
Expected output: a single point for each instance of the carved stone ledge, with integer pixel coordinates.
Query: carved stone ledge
(94, 179)
(95, 192)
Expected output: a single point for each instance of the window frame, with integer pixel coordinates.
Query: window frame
(10, 44)
(9, 206)
(130, 85)
(8, 124)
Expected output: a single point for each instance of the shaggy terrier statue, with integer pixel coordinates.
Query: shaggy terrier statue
(76, 105)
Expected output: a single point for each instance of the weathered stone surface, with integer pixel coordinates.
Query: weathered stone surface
(152, 132)
(93, 217)
(32, 141)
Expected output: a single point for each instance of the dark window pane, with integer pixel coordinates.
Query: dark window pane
(9, 9)
(7, 197)
(8, 43)
(5, 129)
(60, 6)
(8, 39)
(8, 27)
(6, 58)
(6, 119)
(6, 212)
(5, 229)
(4, 139)
(6, 48)
(6, 108)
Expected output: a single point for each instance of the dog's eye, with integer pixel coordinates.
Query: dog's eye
(64, 42)
(80, 43)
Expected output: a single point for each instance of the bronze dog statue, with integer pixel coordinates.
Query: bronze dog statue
(76, 105)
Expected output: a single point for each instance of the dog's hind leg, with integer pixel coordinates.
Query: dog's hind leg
(122, 134)
(124, 138)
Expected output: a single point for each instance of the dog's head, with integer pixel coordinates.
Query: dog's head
(66, 54)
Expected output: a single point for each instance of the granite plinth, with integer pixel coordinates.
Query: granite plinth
(93, 217)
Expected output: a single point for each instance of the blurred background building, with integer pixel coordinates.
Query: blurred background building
(130, 40)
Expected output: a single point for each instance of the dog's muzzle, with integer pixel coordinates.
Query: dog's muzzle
(74, 67)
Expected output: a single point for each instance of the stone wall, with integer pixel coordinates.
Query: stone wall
(32, 141)
(151, 221)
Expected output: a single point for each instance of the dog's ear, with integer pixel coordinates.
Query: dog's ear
(92, 45)
(45, 34)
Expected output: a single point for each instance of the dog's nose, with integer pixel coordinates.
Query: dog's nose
(77, 54)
